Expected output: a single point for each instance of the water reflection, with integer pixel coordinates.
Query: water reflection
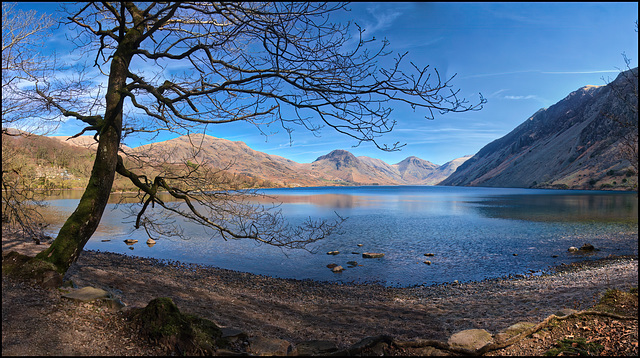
(474, 232)
(609, 207)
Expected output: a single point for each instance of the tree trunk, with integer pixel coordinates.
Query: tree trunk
(84, 221)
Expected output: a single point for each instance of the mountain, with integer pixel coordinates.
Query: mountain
(339, 167)
(572, 144)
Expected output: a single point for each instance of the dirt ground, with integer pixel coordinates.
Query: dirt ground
(37, 321)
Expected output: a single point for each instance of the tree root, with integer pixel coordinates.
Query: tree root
(370, 342)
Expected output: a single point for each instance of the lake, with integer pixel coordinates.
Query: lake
(474, 233)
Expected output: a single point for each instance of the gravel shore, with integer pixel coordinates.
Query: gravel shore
(298, 310)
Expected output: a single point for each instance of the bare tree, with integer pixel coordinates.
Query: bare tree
(22, 34)
(262, 63)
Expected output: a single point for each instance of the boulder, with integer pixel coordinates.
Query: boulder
(162, 322)
(471, 339)
(372, 255)
(262, 346)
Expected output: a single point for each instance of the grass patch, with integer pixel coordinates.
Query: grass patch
(577, 346)
(619, 302)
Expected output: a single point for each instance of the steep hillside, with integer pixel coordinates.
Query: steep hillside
(572, 144)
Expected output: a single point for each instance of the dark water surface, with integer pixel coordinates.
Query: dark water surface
(474, 233)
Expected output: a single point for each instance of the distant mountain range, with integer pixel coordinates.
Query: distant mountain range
(572, 144)
(338, 167)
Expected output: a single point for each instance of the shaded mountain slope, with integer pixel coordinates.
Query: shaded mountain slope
(572, 144)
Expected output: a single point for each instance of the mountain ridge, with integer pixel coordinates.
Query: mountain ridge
(338, 167)
(572, 144)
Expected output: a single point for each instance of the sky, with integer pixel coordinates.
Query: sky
(520, 56)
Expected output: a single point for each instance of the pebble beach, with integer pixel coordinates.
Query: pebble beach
(299, 310)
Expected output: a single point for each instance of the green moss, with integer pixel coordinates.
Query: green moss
(162, 322)
(618, 302)
(577, 346)
(30, 269)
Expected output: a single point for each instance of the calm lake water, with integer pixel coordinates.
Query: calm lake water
(475, 233)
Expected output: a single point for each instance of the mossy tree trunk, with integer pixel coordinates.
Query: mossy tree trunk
(81, 225)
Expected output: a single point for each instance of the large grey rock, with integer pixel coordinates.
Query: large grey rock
(87, 294)
(471, 339)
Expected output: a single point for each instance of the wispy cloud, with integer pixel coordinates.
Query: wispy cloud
(529, 96)
(579, 72)
(541, 72)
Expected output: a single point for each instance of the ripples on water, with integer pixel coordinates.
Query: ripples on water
(475, 233)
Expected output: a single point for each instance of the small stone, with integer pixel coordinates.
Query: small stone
(554, 256)
(428, 262)
(372, 255)
(150, 241)
(333, 252)
(352, 263)
(360, 245)
(130, 241)
(429, 254)
(337, 269)
(331, 265)
(515, 254)
(105, 240)
(573, 249)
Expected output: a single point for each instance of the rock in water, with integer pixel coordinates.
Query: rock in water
(587, 247)
(372, 255)
(337, 269)
(573, 249)
(130, 241)
(333, 252)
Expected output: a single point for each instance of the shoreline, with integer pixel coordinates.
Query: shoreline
(298, 310)
(345, 313)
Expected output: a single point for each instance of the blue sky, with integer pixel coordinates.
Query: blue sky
(520, 56)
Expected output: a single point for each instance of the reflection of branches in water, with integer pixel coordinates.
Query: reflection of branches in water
(210, 197)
